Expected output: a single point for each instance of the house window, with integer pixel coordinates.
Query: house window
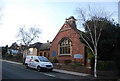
(44, 54)
(64, 46)
(40, 54)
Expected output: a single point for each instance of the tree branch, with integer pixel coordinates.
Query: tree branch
(88, 45)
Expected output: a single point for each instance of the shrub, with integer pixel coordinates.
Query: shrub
(106, 65)
(110, 65)
(100, 65)
(9, 56)
(18, 58)
(54, 60)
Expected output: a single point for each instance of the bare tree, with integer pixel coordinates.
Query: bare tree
(93, 34)
(27, 37)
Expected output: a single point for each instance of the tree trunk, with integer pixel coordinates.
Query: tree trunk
(95, 65)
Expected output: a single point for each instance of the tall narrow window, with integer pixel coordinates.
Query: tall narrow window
(44, 54)
(40, 54)
(64, 46)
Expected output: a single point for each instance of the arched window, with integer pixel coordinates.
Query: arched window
(65, 46)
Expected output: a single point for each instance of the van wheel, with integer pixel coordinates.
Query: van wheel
(38, 69)
(26, 66)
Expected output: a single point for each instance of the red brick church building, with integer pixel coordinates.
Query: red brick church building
(67, 45)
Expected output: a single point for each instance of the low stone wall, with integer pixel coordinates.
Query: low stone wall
(84, 69)
(16, 58)
(81, 69)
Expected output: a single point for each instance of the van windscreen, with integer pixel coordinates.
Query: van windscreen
(43, 59)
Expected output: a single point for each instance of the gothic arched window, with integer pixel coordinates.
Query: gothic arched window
(65, 47)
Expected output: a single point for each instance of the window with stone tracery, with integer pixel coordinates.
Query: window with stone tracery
(65, 46)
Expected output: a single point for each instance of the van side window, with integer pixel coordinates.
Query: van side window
(36, 60)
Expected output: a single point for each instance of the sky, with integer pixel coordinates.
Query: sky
(48, 16)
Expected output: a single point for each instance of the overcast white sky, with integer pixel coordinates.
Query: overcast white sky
(48, 16)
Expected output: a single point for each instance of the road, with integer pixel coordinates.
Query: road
(17, 71)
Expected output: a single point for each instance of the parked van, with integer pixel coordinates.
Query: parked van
(38, 62)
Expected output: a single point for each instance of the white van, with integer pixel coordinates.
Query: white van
(38, 62)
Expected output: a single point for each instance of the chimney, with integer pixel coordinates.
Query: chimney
(72, 21)
(48, 41)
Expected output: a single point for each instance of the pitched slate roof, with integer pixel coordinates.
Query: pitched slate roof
(45, 46)
(36, 45)
(41, 46)
(14, 46)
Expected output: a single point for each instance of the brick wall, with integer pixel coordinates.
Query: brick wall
(45, 53)
(76, 48)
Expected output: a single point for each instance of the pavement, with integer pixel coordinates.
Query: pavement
(71, 72)
(58, 70)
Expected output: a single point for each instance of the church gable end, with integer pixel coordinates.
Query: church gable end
(65, 27)
(67, 42)
(69, 24)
